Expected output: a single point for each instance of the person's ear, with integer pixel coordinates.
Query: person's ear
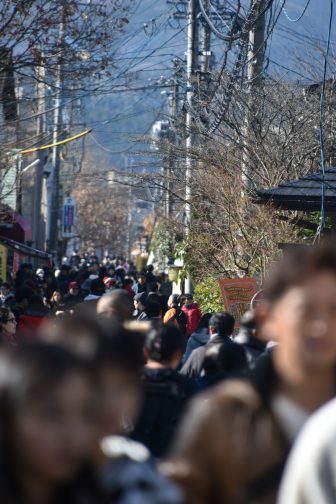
(262, 314)
(146, 354)
(176, 359)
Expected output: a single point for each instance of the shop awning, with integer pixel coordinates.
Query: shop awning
(24, 249)
(302, 194)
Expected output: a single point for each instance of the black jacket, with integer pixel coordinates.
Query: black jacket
(253, 347)
(194, 364)
(166, 393)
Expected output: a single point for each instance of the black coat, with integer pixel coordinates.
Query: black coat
(194, 364)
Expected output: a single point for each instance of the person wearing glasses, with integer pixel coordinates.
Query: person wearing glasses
(8, 326)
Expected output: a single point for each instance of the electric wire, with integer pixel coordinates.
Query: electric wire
(322, 102)
(295, 20)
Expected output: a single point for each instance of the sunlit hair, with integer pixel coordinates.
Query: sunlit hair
(296, 266)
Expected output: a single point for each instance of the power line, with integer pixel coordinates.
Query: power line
(322, 100)
(295, 20)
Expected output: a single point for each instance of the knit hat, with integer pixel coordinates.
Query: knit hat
(73, 285)
(108, 281)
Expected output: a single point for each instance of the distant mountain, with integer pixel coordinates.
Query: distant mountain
(144, 53)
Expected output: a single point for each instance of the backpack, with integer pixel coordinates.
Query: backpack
(162, 409)
(181, 319)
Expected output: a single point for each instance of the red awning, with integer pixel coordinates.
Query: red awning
(18, 228)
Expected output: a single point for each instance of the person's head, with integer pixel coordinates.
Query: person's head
(189, 300)
(140, 301)
(117, 304)
(110, 283)
(221, 323)
(164, 345)
(5, 289)
(227, 359)
(205, 320)
(154, 287)
(173, 301)
(64, 270)
(40, 273)
(150, 268)
(118, 364)
(248, 323)
(22, 297)
(142, 280)
(182, 300)
(47, 418)
(153, 309)
(57, 297)
(97, 287)
(299, 307)
(73, 288)
(7, 321)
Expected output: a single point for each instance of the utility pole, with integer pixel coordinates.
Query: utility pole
(172, 138)
(255, 66)
(38, 176)
(192, 64)
(54, 210)
(205, 49)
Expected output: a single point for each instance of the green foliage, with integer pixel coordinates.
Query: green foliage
(208, 296)
(162, 244)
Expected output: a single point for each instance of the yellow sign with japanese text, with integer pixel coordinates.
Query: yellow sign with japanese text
(3, 263)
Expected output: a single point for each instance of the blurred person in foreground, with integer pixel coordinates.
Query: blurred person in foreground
(166, 392)
(117, 304)
(48, 427)
(236, 439)
(310, 474)
(115, 354)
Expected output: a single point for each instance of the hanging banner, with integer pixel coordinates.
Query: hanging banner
(237, 294)
(16, 262)
(69, 216)
(3, 263)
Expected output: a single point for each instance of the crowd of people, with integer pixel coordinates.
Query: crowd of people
(115, 390)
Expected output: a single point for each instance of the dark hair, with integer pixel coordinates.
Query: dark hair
(175, 299)
(31, 370)
(121, 303)
(36, 301)
(204, 322)
(97, 287)
(153, 308)
(23, 293)
(121, 349)
(223, 323)
(296, 266)
(99, 341)
(183, 299)
(4, 314)
(163, 341)
(248, 320)
(189, 297)
(153, 287)
(227, 358)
